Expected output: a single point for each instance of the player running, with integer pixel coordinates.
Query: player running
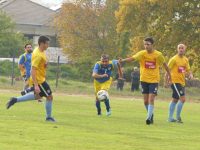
(102, 73)
(178, 66)
(150, 61)
(38, 72)
(25, 67)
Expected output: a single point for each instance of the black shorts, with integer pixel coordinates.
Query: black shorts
(45, 89)
(178, 90)
(149, 88)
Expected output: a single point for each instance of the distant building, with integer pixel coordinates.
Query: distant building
(33, 20)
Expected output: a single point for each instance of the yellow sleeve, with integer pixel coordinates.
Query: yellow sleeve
(138, 56)
(171, 63)
(36, 61)
(161, 59)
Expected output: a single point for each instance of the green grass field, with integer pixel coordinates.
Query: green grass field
(79, 128)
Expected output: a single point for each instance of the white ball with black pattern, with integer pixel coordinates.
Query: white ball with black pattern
(102, 95)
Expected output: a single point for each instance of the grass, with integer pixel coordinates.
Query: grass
(78, 128)
(86, 88)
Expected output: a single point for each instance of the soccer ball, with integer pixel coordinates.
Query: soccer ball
(102, 95)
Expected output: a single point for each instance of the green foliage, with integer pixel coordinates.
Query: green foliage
(11, 43)
(6, 69)
(87, 29)
(79, 71)
(124, 43)
(169, 22)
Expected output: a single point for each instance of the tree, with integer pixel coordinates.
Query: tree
(11, 43)
(169, 22)
(87, 28)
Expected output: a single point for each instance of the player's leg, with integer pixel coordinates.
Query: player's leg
(153, 88)
(172, 105)
(180, 103)
(146, 102)
(97, 87)
(106, 86)
(24, 98)
(29, 87)
(179, 109)
(46, 92)
(150, 112)
(48, 107)
(145, 92)
(98, 106)
(122, 86)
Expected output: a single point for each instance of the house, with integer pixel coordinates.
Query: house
(33, 20)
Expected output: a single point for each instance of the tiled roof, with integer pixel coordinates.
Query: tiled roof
(27, 12)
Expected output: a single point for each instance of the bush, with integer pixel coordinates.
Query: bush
(6, 69)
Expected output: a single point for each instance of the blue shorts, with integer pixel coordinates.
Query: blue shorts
(177, 90)
(149, 88)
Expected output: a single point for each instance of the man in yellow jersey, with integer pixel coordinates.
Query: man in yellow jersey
(178, 66)
(102, 74)
(38, 72)
(150, 62)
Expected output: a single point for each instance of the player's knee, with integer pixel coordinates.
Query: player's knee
(37, 96)
(146, 102)
(50, 98)
(182, 99)
(175, 100)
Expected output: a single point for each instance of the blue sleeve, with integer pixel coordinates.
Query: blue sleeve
(115, 62)
(96, 68)
(22, 60)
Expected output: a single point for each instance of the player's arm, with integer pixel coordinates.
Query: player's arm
(96, 75)
(137, 57)
(95, 72)
(21, 66)
(34, 77)
(119, 71)
(190, 75)
(188, 70)
(130, 59)
(168, 79)
(34, 66)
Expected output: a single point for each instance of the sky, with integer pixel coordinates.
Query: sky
(53, 4)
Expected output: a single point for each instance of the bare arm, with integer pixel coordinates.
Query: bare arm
(130, 59)
(190, 75)
(33, 74)
(168, 74)
(119, 71)
(34, 77)
(21, 67)
(95, 75)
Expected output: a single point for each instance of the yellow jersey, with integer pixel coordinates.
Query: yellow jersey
(178, 67)
(39, 61)
(150, 64)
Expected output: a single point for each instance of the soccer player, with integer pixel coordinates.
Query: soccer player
(25, 65)
(178, 66)
(38, 73)
(150, 62)
(102, 73)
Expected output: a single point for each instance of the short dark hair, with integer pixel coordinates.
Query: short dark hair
(104, 56)
(27, 45)
(43, 39)
(149, 39)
